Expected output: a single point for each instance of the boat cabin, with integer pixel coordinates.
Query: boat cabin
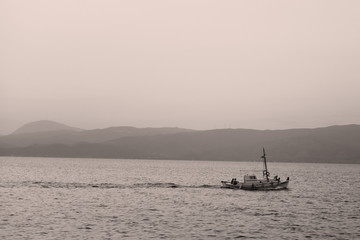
(250, 178)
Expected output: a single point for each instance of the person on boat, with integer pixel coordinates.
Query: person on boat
(235, 182)
(232, 181)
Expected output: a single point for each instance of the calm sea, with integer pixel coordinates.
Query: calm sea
(53, 198)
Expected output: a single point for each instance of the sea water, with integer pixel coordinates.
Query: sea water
(54, 198)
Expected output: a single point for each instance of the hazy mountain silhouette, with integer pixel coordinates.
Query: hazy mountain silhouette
(44, 126)
(47, 132)
(335, 144)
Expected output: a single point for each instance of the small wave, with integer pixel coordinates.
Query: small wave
(154, 185)
(208, 186)
(72, 185)
(75, 185)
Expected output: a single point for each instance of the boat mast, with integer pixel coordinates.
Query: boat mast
(265, 172)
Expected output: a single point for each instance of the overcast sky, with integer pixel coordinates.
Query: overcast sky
(197, 64)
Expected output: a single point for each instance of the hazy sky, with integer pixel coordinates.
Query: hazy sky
(190, 63)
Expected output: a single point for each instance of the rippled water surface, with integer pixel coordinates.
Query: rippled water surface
(49, 198)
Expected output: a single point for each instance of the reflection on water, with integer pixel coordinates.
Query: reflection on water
(48, 198)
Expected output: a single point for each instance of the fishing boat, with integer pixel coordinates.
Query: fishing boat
(251, 182)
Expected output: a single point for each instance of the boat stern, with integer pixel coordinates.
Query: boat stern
(231, 185)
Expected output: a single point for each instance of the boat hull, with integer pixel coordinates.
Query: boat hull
(258, 185)
(266, 185)
(227, 184)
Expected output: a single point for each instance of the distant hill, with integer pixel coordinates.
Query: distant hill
(44, 126)
(47, 132)
(335, 144)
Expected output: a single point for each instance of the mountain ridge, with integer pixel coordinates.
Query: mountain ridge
(334, 144)
(63, 134)
(43, 126)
